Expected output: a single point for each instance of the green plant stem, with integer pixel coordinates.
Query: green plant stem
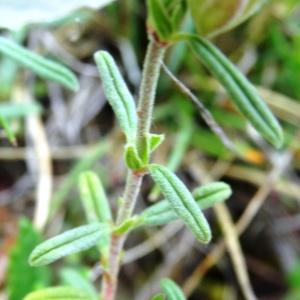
(151, 71)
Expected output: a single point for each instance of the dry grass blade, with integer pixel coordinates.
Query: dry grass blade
(244, 221)
(235, 250)
(206, 115)
(40, 160)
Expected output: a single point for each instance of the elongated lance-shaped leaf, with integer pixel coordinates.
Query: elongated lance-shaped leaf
(118, 94)
(181, 201)
(15, 110)
(241, 91)
(43, 67)
(69, 242)
(59, 293)
(212, 193)
(172, 290)
(205, 196)
(93, 198)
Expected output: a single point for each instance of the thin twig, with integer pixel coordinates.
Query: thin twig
(206, 115)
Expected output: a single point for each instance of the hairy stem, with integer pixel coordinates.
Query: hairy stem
(151, 71)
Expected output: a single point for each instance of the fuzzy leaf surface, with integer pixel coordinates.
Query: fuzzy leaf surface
(181, 201)
(242, 92)
(67, 243)
(117, 94)
(45, 68)
(205, 196)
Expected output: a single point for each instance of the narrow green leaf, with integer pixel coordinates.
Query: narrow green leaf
(118, 94)
(241, 91)
(158, 19)
(132, 158)
(8, 67)
(16, 110)
(181, 201)
(59, 293)
(172, 290)
(212, 193)
(93, 198)
(43, 67)
(69, 242)
(158, 214)
(84, 163)
(206, 196)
